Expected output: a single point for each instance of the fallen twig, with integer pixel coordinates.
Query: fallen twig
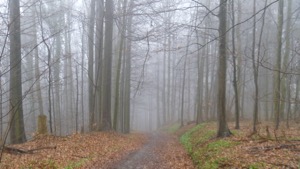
(12, 150)
(268, 148)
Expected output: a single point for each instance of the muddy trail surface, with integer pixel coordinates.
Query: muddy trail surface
(162, 151)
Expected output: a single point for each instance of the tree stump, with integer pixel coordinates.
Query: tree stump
(42, 124)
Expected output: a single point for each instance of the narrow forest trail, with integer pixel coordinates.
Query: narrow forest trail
(162, 151)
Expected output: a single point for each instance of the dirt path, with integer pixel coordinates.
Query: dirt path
(163, 151)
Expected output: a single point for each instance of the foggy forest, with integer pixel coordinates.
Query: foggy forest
(149, 84)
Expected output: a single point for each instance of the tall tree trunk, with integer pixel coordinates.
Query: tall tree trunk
(239, 57)
(49, 89)
(158, 94)
(82, 75)
(296, 108)
(99, 63)
(278, 65)
(164, 103)
(284, 81)
(255, 69)
(91, 31)
(169, 74)
(127, 93)
(56, 73)
(235, 73)
(17, 132)
(77, 100)
(200, 69)
(183, 82)
(255, 63)
(223, 130)
(119, 64)
(107, 66)
(288, 113)
(1, 103)
(173, 92)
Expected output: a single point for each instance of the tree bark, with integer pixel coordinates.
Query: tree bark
(127, 94)
(119, 64)
(183, 82)
(223, 130)
(235, 73)
(284, 80)
(17, 132)
(278, 66)
(91, 66)
(99, 64)
(107, 67)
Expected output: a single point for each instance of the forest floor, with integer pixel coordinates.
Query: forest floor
(193, 146)
(74, 151)
(162, 151)
(268, 148)
(100, 150)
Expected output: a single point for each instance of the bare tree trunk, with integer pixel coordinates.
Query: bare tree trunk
(255, 69)
(183, 81)
(278, 65)
(255, 63)
(77, 101)
(287, 78)
(17, 132)
(169, 74)
(200, 69)
(173, 92)
(107, 67)
(49, 89)
(288, 113)
(56, 72)
(182, 94)
(118, 71)
(91, 66)
(296, 108)
(99, 64)
(267, 96)
(235, 73)
(127, 93)
(82, 76)
(158, 95)
(239, 58)
(164, 110)
(1, 103)
(223, 130)
(37, 71)
(284, 80)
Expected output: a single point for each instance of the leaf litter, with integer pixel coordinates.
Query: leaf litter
(74, 151)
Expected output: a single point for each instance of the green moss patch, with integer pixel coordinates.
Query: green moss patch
(204, 148)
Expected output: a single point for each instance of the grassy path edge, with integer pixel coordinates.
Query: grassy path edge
(204, 148)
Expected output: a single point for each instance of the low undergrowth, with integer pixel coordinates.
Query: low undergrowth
(204, 148)
(268, 148)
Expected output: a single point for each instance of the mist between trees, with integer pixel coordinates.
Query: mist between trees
(80, 66)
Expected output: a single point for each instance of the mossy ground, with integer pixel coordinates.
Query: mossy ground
(209, 152)
(204, 148)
